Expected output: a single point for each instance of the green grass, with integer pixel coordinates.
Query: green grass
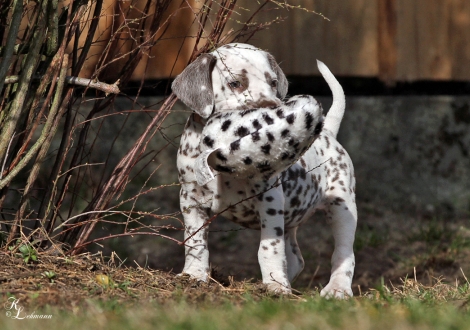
(412, 306)
(369, 237)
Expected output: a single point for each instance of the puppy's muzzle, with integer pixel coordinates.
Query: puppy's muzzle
(263, 103)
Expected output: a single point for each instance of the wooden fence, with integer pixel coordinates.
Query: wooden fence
(395, 40)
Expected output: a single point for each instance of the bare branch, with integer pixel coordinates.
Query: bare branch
(78, 81)
(81, 246)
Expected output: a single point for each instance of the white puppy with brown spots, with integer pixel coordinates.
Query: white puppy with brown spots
(242, 78)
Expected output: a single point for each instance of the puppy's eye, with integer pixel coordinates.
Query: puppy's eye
(235, 84)
(274, 83)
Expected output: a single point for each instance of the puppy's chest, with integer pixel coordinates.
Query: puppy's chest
(237, 199)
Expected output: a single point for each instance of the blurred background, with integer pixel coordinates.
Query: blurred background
(109, 170)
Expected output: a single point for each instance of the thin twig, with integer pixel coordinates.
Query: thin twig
(11, 38)
(82, 245)
(465, 277)
(107, 88)
(6, 156)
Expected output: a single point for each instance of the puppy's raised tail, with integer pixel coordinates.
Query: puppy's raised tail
(336, 112)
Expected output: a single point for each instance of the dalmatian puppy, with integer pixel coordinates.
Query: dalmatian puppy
(240, 78)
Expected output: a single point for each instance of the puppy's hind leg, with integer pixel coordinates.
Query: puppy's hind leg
(295, 262)
(343, 218)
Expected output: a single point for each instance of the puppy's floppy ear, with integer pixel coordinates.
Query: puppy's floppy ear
(281, 77)
(194, 85)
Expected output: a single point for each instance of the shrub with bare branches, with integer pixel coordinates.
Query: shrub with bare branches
(54, 189)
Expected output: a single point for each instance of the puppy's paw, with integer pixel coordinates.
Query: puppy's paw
(200, 276)
(337, 289)
(278, 289)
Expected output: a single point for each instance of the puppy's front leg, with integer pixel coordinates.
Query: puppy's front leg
(271, 253)
(196, 262)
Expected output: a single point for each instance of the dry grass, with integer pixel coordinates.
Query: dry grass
(90, 292)
(68, 281)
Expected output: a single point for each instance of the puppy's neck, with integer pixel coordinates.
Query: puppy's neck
(198, 119)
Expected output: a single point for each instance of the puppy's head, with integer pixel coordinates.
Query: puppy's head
(233, 77)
